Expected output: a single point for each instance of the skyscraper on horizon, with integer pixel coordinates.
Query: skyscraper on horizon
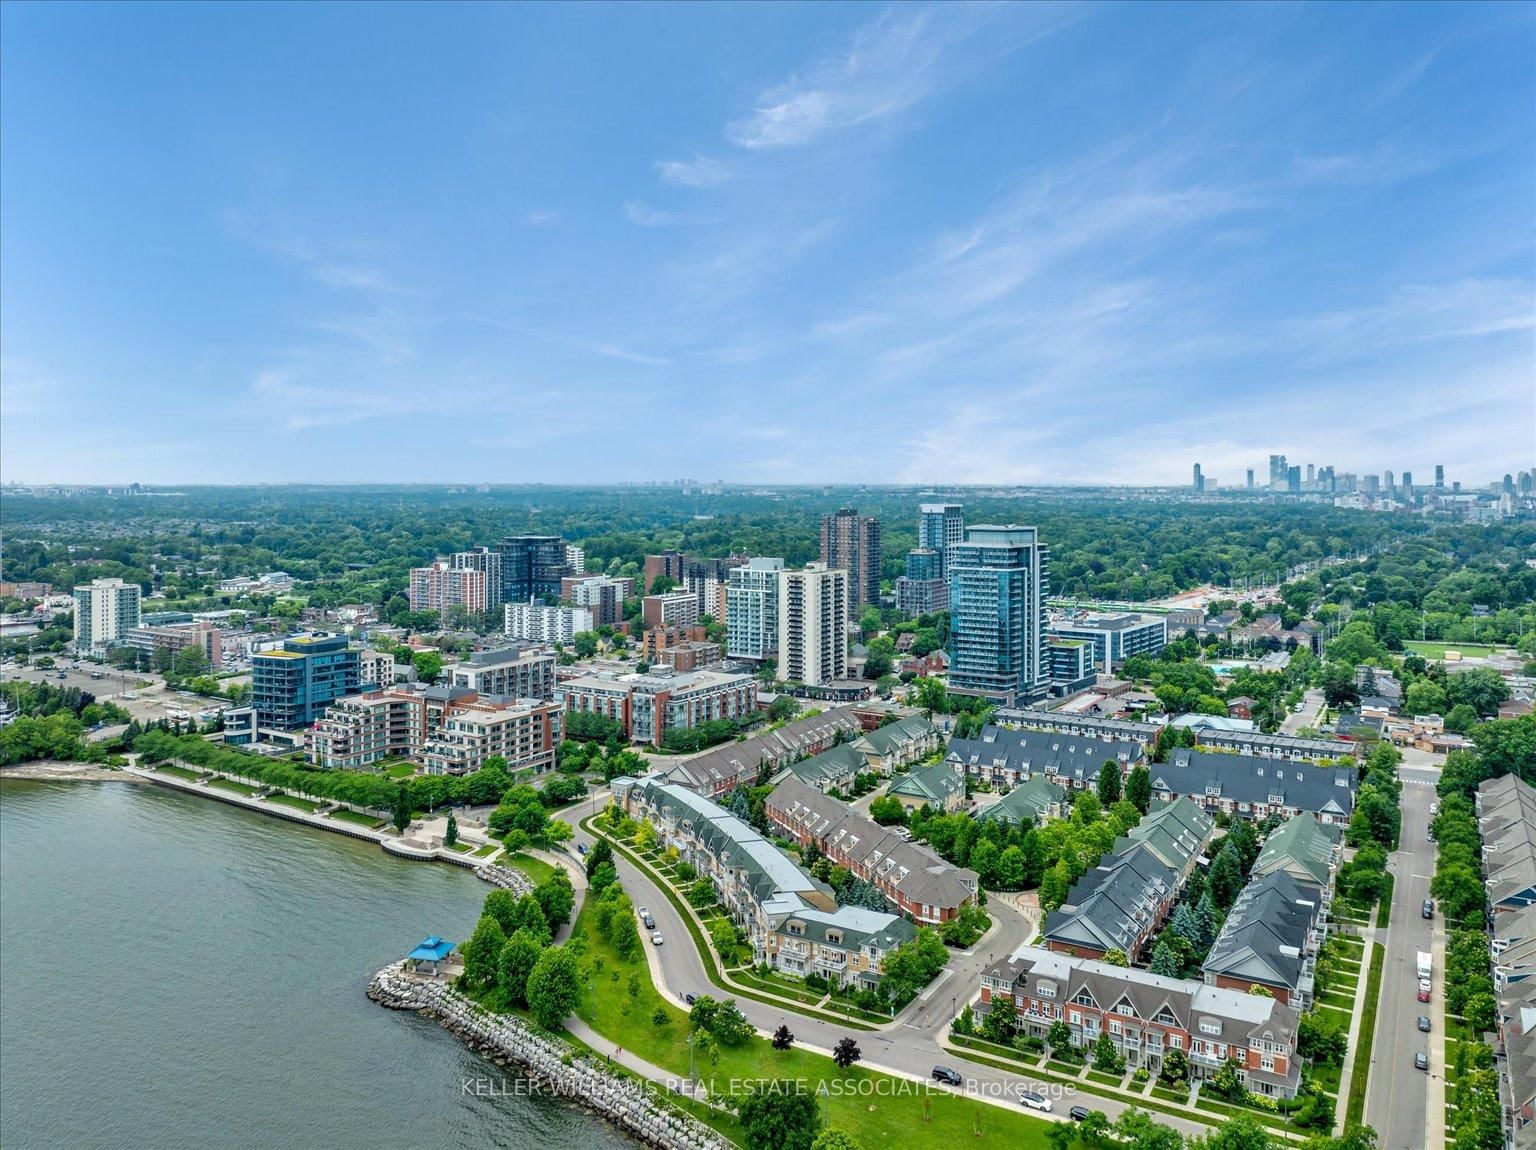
(851, 542)
(998, 579)
(1199, 479)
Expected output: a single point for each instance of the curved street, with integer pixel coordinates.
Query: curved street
(911, 1046)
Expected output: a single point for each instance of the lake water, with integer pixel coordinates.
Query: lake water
(175, 972)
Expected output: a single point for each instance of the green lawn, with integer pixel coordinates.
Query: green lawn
(536, 869)
(282, 798)
(1355, 1109)
(395, 768)
(1105, 1079)
(1384, 908)
(180, 772)
(1436, 649)
(363, 820)
(230, 785)
(462, 847)
(487, 850)
(875, 1108)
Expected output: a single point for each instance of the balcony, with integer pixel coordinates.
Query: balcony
(835, 961)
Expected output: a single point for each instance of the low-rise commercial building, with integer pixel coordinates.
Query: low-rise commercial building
(1146, 1015)
(912, 878)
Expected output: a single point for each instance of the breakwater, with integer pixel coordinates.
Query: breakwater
(634, 1107)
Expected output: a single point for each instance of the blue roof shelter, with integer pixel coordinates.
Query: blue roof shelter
(431, 949)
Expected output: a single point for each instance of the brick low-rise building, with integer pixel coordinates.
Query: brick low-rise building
(912, 878)
(1146, 1015)
(652, 704)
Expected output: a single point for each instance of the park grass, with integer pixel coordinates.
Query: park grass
(462, 847)
(536, 869)
(230, 785)
(875, 1108)
(713, 967)
(1436, 648)
(487, 850)
(1354, 1110)
(180, 772)
(357, 818)
(282, 798)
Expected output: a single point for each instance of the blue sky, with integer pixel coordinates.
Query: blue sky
(768, 243)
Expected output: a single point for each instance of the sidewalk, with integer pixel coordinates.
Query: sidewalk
(1341, 1105)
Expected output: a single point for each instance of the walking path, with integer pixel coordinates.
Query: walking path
(1341, 1105)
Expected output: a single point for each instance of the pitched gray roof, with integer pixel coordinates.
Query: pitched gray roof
(739, 763)
(1300, 847)
(933, 784)
(1248, 779)
(1264, 938)
(1054, 753)
(913, 870)
(1114, 905)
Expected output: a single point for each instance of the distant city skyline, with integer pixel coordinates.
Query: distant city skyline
(920, 245)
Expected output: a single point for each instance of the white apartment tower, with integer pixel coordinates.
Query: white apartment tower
(105, 611)
(752, 609)
(813, 625)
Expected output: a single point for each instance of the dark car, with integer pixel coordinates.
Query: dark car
(1421, 1061)
(1078, 1113)
(690, 999)
(945, 1074)
(1428, 909)
(1424, 1023)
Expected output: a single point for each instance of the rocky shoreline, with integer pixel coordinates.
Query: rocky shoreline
(54, 771)
(636, 1108)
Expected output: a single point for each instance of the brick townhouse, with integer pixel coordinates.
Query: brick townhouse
(912, 877)
(1146, 1015)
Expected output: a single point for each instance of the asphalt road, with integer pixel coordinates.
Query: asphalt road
(1311, 708)
(910, 1048)
(1397, 1095)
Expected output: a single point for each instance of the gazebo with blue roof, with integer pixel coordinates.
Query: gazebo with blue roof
(431, 949)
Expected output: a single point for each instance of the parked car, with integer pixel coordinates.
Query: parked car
(1423, 994)
(650, 923)
(1428, 909)
(643, 912)
(1035, 1101)
(656, 938)
(1421, 1061)
(1434, 808)
(1424, 1023)
(1424, 986)
(1078, 1113)
(581, 848)
(945, 1074)
(690, 998)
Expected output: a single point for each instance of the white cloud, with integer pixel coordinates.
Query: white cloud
(699, 172)
(541, 219)
(895, 61)
(648, 217)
